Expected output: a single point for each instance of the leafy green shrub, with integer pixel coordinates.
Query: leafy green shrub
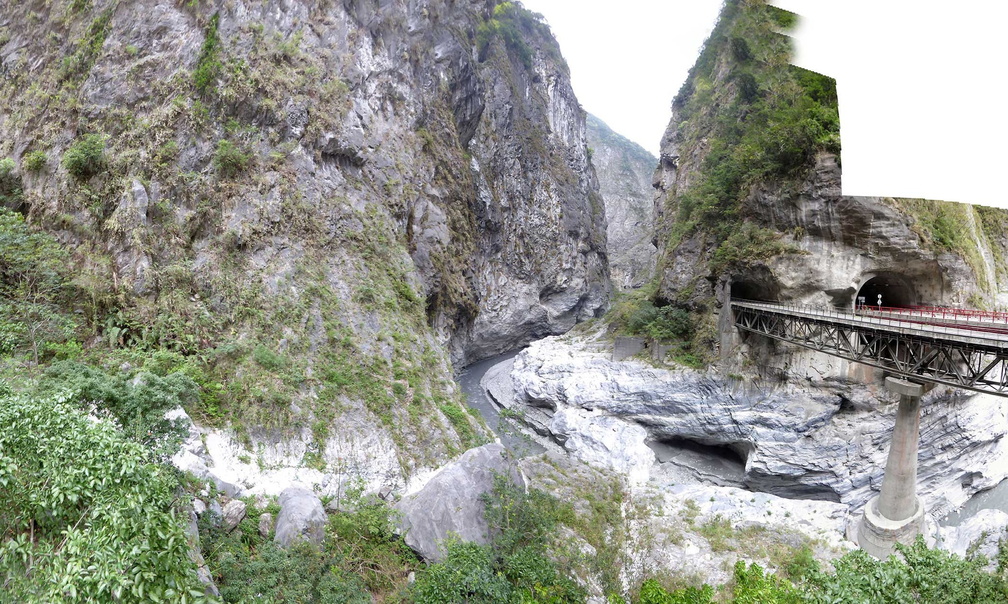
(754, 586)
(918, 574)
(10, 184)
(32, 286)
(268, 359)
(208, 64)
(84, 515)
(86, 156)
(137, 403)
(365, 545)
(652, 592)
(515, 566)
(34, 161)
(230, 159)
(298, 574)
(748, 245)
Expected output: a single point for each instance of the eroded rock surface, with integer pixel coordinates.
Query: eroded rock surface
(450, 504)
(826, 440)
(624, 171)
(301, 518)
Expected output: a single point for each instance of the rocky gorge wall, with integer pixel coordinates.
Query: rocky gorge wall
(326, 206)
(624, 169)
(748, 203)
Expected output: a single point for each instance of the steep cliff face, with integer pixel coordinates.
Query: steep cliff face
(749, 196)
(336, 199)
(624, 171)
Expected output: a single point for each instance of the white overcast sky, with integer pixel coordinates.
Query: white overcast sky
(628, 58)
(920, 83)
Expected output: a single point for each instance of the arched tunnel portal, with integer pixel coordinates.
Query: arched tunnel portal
(895, 290)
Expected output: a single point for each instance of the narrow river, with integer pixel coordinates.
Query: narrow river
(510, 434)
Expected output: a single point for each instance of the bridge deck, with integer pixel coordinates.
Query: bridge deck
(970, 352)
(964, 333)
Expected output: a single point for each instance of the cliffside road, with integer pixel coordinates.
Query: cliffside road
(958, 350)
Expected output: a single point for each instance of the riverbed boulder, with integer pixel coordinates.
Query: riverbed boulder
(450, 504)
(234, 512)
(301, 518)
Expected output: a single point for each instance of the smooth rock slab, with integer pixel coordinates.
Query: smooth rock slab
(234, 512)
(301, 518)
(449, 506)
(265, 524)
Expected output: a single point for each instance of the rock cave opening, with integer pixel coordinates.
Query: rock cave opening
(758, 285)
(731, 454)
(894, 290)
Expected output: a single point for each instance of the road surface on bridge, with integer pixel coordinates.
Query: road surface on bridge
(956, 347)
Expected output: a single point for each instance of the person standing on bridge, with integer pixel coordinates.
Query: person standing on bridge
(880, 302)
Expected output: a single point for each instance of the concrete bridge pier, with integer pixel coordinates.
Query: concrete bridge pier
(896, 515)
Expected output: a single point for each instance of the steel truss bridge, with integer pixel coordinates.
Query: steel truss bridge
(960, 348)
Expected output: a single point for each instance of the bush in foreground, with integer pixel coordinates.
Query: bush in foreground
(84, 514)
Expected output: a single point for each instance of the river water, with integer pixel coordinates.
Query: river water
(510, 433)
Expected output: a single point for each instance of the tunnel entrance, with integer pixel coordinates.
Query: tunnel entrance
(895, 291)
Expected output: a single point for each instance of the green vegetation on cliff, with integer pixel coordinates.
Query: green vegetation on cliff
(757, 118)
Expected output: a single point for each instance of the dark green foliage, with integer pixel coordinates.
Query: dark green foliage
(32, 287)
(748, 245)
(361, 558)
(769, 125)
(86, 157)
(137, 403)
(515, 566)
(268, 359)
(922, 575)
(84, 515)
(10, 184)
(34, 161)
(512, 23)
(664, 324)
(208, 64)
(300, 574)
(230, 159)
(365, 545)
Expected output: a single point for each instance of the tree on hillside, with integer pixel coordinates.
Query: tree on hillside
(32, 265)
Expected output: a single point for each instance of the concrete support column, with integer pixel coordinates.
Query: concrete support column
(896, 515)
(899, 483)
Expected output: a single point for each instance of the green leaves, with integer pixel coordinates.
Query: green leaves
(86, 157)
(86, 514)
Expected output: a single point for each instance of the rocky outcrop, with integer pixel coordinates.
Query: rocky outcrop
(367, 193)
(450, 505)
(301, 518)
(748, 204)
(234, 513)
(624, 171)
(814, 440)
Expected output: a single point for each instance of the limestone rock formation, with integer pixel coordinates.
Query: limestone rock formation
(330, 197)
(624, 171)
(301, 518)
(234, 512)
(794, 440)
(450, 504)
